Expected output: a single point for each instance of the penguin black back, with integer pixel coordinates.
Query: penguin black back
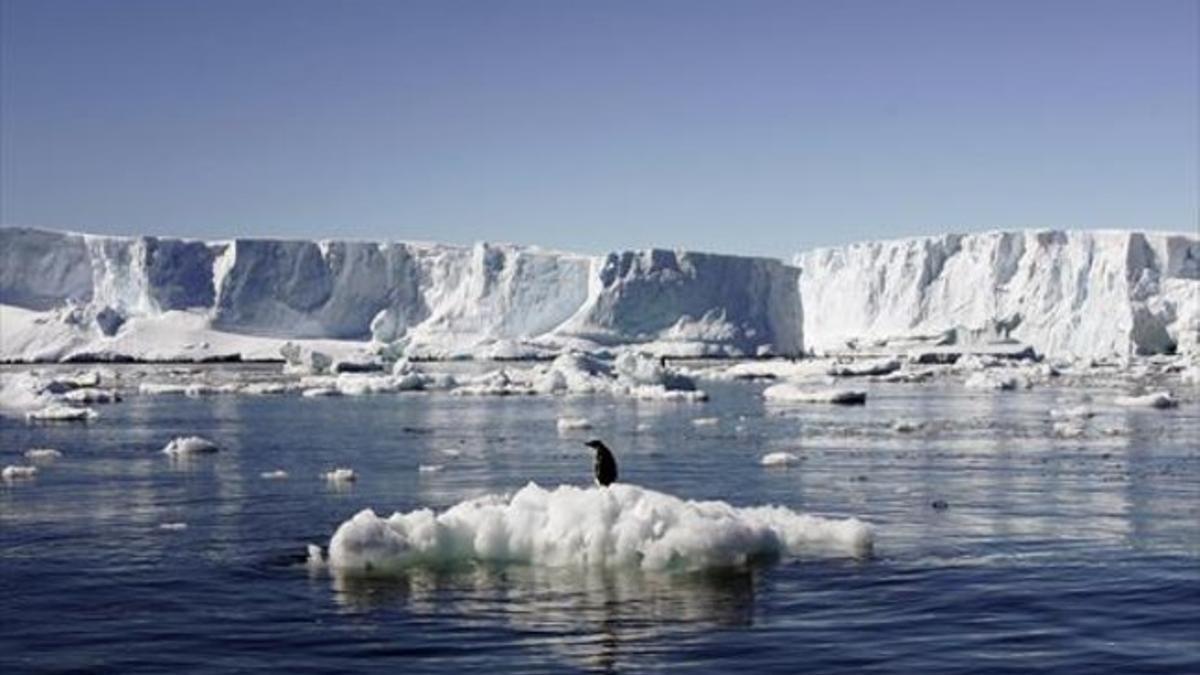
(606, 465)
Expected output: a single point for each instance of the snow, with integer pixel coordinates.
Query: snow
(622, 525)
(779, 459)
(787, 392)
(16, 472)
(189, 445)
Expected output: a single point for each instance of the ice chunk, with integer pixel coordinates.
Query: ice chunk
(316, 392)
(779, 459)
(568, 424)
(189, 445)
(430, 468)
(341, 475)
(706, 421)
(92, 395)
(622, 525)
(277, 474)
(42, 454)
(172, 527)
(863, 368)
(1158, 399)
(907, 426)
(790, 393)
(61, 413)
(16, 472)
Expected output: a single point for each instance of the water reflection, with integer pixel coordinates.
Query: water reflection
(594, 617)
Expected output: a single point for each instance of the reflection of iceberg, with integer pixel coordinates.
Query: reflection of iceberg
(619, 526)
(593, 617)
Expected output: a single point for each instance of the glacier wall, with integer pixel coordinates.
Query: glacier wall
(1084, 294)
(434, 300)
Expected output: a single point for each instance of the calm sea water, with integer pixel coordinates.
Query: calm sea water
(1055, 554)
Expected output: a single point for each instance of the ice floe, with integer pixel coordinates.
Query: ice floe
(17, 472)
(42, 454)
(779, 459)
(621, 525)
(790, 393)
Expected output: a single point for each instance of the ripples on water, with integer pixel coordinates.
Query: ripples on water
(1068, 554)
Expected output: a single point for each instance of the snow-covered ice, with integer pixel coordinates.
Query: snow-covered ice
(622, 525)
(42, 454)
(277, 474)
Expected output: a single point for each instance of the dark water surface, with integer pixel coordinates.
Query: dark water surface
(1055, 554)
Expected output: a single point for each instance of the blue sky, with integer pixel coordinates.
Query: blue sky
(747, 127)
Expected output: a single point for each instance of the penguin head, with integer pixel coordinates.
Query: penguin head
(596, 445)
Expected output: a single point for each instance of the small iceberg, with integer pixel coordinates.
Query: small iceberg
(790, 393)
(183, 446)
(42, 454)
(277, 474)
(340, 475)
(779, 459)
(61, 413)
(622, 525)
(566, 424)
(1158, 399)
(16, 472)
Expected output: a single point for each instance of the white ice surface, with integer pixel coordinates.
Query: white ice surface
(621, 525)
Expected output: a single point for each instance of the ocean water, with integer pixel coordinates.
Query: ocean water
(1067, 554)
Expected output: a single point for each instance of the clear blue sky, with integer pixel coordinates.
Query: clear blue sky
(738, 126)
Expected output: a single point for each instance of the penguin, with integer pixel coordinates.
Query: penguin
(605, 466)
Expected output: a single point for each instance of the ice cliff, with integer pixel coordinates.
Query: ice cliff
(1083, 294)
(65, 295)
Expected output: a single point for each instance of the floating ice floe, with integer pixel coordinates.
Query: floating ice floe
(907, 426)
(996, 381)
(182, 446)
(791, 393)
(430, 468)
(172, 527)
(61, 413)
(92, 395)
(779, 459)
(277, 474)
(706, 421)
(317, 392)
(1082, 412)
(566, 424)
(619, 526)
(42, 454)
(865, 368)
(16, 472)
(1157, 399)
(341, 475)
